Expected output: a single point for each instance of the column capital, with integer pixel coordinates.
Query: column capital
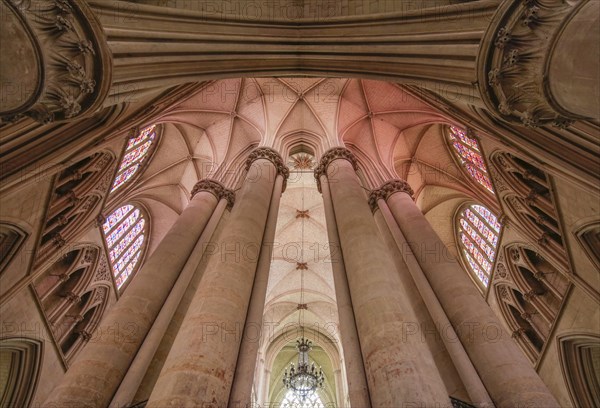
(215, 188)
(274, 157)
(387, 189)
(329, 156)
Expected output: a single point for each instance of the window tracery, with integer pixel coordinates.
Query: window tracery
(469, 154)
(136, 154)
(125, 237)
(530, 294)
(528, 200)
(78, 192)
(478, 231)
(72, 300)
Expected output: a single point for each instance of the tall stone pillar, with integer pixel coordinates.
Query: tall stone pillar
(241, 391)
(200, 367)
(400, 370)
(478, 395)
(355, 370)
(506, 373)
(96, 374)
(137, 370)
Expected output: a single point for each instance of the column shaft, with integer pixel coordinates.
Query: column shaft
(244, 372)
(400, 369)
(200, 366)
(508, 376)
(468, 375)
(96, 374)
(355, 369)
(135, 375)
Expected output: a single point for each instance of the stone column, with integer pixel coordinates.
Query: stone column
(539, 60)
(135, 375)
(467, 373)
(241, 391)
(200, 366)
(353, 361)
(506, 373)
(97, 372)
(400, 370)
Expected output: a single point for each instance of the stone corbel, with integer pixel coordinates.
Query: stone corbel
(57, 65)
(512, 62)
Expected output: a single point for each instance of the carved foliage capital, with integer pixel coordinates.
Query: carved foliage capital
(331, 155)
(215, 188)
(387, 189)
(273, 156)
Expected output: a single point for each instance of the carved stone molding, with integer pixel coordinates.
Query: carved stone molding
(274, 157)
(512, 63)
(215, 188)
(331, 155)
(61, 65)
(12, 238)
(387, 189)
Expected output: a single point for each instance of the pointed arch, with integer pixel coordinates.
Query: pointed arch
(20, 365)
(73, 293)
(125, 233)
(12, 238)
(77, 194)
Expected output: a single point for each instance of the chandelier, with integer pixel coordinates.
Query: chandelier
(304, 379)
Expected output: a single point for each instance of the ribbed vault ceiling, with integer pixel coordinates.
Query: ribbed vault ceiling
(393, 134)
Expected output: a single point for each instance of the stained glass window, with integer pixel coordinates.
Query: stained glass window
(478, 230)
(124, 234)
(291, 400)
(135, 154)
(469, 153)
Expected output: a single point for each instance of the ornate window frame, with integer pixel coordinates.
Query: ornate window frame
(461, 163)
(458, 216)
(115, 193)
(73, 292)
(145, 232)
(538, 289)
(78, 192)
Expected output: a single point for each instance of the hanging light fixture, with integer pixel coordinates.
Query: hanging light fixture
(305, 378)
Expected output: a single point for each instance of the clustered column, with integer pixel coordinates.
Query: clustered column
(400, 370)
(96, 374)
(509, 378)
(200, 367)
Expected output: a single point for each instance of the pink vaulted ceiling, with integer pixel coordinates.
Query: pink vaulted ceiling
(373, 115)
(229, 113)
(393, 134)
